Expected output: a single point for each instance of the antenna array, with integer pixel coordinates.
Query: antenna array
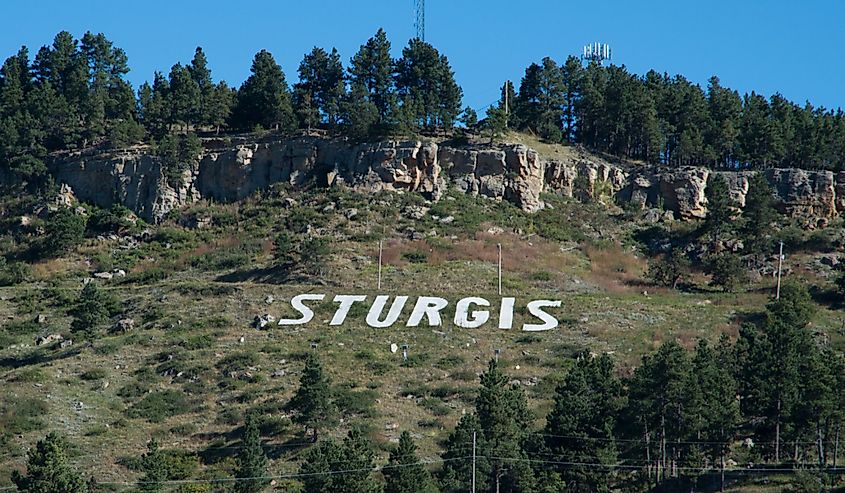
(596, 52)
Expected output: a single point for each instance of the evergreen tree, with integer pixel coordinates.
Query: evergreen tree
(154, 465)
(313, 400)
(658, 410)
(759, 214)
(321, 459)
(264, 98)
(185, 98)
(571, 73)
(769, 361)
(495, 123)
(201, 76)
(47, 469)
(63, 231)
(220, 106)
(321, 85)
(727, 270)
(469, 118)
(505, 423)
(371, 71)
(540, 104)
(251, 471)
(720, 212)
(404, 473)
(359, 114)
(457, 458)
(426, 87)
(93, 309)
(725, 107)
(580, 427)
(358, 458)
(714, 403)
(669, 270)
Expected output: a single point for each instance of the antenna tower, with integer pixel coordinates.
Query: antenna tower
(596, 52)
(419, 19)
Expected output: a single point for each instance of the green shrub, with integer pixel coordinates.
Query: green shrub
(416, 257)
(237, 362)
(63, 231)
(158, 406)
(727, 271)
(95, 374)
(22, 415)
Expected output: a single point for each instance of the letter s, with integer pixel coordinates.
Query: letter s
(536, 309)
(297, 303)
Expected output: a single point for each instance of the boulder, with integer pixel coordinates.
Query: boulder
(48, 339)
(124, 325)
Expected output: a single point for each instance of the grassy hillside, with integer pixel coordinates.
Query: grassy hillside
(193, 365)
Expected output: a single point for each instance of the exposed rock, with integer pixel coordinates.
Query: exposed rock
(48, 339)
(124, 325)
(415, 212)
(103, 275)
(262, 321)
(513, 172)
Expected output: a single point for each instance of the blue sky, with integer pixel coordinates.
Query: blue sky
(767, 46)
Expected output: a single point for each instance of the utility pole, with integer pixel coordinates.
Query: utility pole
(473, 462)
(780, 266)
(499, 246)
(379, 263)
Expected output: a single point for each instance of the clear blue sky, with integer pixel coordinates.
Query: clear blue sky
(767, 46)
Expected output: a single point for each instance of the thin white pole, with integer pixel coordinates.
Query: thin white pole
(499, 245)
(379, 264)
(780, 266)
(473, 462)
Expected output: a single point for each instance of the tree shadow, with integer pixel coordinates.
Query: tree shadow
(36, 357)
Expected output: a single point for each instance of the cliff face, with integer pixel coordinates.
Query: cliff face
(511, 172)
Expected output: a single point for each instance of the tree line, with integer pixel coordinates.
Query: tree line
(74, 95)
(770, 398)
(670, 120)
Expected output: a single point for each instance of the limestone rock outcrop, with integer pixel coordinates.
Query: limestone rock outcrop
(516, 173)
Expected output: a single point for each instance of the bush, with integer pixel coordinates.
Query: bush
(313, 253)
(63, 231)
(95, 374)
(237, 362)
(13, 273)
(416, 257)
(158, 406)
(727, 271)
(113, 220)
(668, 270)
(92, 310)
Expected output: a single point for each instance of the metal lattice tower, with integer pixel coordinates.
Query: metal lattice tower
(419, 18)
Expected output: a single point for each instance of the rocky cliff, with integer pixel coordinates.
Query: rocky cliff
(511, 172)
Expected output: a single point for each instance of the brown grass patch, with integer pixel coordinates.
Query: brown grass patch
(614, 269)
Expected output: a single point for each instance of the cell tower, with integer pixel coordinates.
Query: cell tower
(419, 19)
(596, 52)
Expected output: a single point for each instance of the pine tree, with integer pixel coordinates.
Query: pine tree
(404, 473)
(371, 70)
(47, 469)
(63, 231)
(313, 400)
(727, 270)
(714, 404)
(758, 215)
(93, 309)
(580, 427)
(657, 411)
(321, 85)
(201, 75)
(251, 470)
(426, 87)
(571, 73)
(359, 115)
(185, 98)
(769, 359)
(720, 212)
(495, 123)
(264, 98)
(154, 465)
(321, 459)
(505, 422)
(358, 458)
(220, 105)
(457, 458)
